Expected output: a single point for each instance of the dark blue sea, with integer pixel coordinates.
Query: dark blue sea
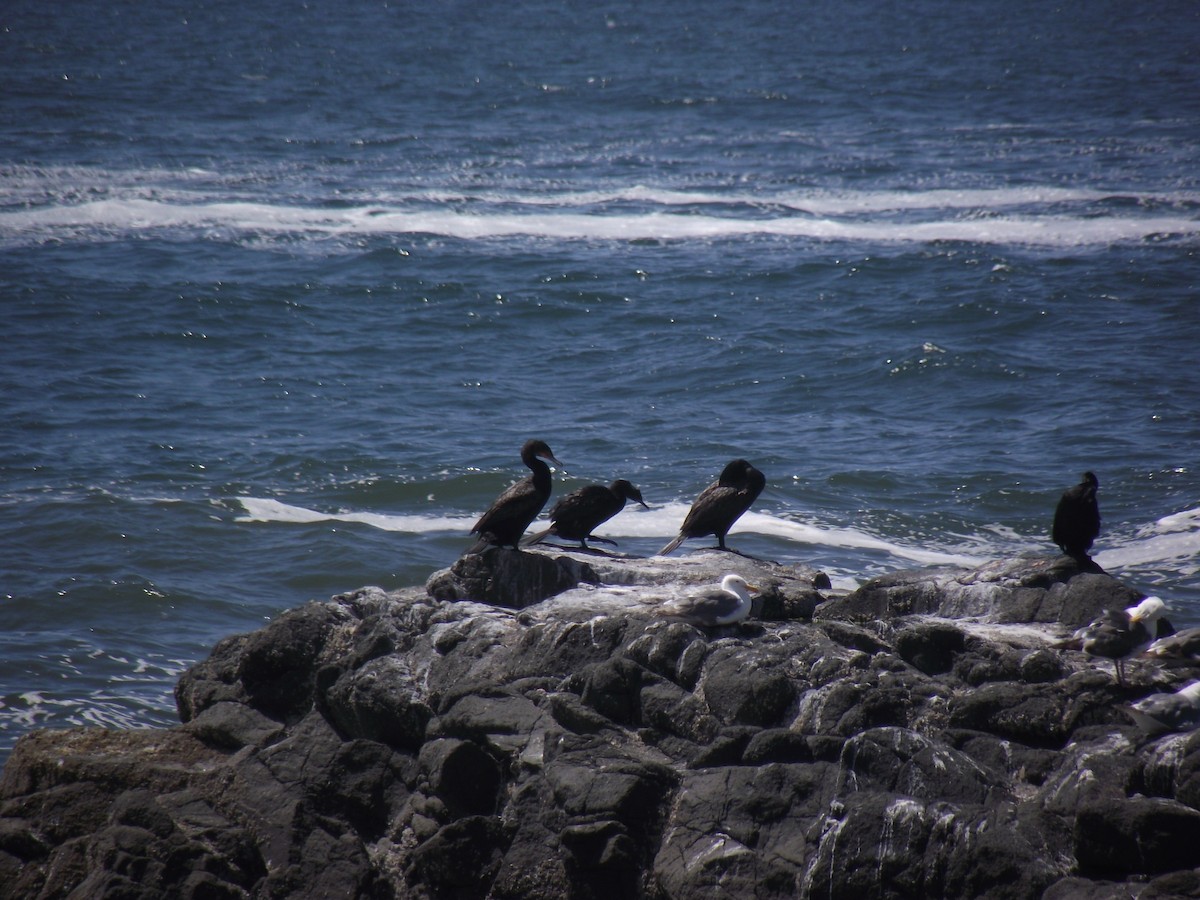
(284, 286)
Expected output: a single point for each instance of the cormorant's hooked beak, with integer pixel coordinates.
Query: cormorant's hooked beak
(562, 470)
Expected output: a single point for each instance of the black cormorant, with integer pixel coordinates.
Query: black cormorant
(580, 512)
(721, 504)
(726, 605)
(1077, 517)
(510, 514)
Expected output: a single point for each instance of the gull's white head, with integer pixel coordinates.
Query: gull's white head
(1148, 610)
(736, 584)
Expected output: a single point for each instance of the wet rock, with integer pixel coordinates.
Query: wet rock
(899, 761)
(511, 578)
(612, 688)
(278, 665)
(462, 775)
(1173, 886)
(462, 859)
(791, 600)
(602, 859)
(1058, 590)
(372, 702)
(232, 725)
(929, 735)
(757, 691)
(931, 647)
(1117, 837)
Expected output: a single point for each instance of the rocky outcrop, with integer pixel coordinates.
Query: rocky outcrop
(919, 737)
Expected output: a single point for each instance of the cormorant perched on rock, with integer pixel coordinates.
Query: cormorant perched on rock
(576, 515)
(721, 504)
(1119, 634)
(511, 512)
(1077, 517)
(726, 605)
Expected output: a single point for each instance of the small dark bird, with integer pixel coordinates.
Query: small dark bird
(511, 513)
(1077, 518)
(580, 512)
(1158, 713)
(726, 605)
(1119, 634)
(721, 504)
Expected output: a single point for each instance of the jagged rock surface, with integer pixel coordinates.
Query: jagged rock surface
(561, 740)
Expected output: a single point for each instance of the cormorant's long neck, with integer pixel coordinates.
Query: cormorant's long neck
(618, 496)
(541, 472)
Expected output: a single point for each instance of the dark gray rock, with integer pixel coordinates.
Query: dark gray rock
(377, 702)
(511, 578)
(931, 647)
(462, 859)
(923, 849)
(462, 775)
(1173, 886)
(1122, 836)
(602, 859)
(1090, 889)
(613, 689)
(230, 726)
(899, 761)
(928, 735)
(780, 745)
(790, 600)
(1059, 590)
(277, 666)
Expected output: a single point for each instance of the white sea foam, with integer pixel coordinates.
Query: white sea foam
(266, 510)
(1021, 216)
(1174, 538)
(850, 538)
(660, 523)
(820, 202)
(65, 186)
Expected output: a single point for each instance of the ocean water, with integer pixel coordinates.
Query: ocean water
(284, 286)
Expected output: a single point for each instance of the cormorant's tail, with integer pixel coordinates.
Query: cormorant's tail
(673, 545)
(537, 538)
(485, 540)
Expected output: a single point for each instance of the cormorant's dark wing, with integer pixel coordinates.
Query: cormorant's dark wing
(712, 508)
(512, 511)
(576, 514)
(580, 503)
